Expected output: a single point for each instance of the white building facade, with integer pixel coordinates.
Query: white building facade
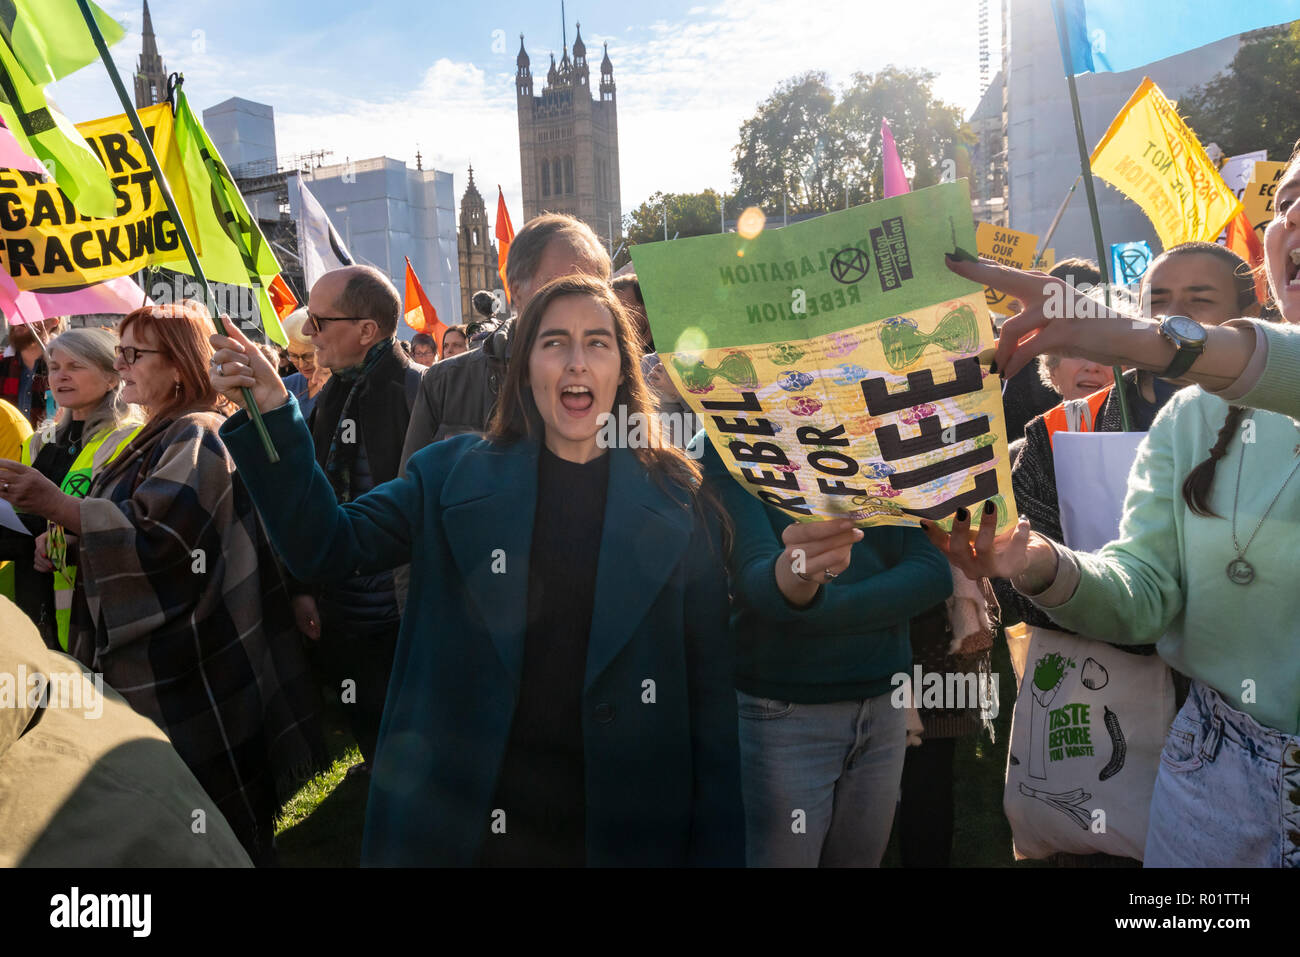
(1042, 153)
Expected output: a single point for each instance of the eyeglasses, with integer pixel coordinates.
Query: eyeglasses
(313, 323)
(301, 356)
(129, 354)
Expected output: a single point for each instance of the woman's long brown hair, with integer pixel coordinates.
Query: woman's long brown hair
(516, 416)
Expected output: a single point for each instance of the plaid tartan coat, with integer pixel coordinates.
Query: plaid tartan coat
(181, 605)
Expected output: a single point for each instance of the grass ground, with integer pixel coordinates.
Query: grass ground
(321, 825)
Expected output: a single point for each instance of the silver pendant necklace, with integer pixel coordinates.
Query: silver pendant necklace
(1240, 571)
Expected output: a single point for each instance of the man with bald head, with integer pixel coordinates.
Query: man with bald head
(358, 427)
(459, 394)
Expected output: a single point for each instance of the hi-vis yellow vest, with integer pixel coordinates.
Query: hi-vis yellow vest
(77, 483)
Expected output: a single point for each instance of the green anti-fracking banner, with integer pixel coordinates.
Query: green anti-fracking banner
(836, 363)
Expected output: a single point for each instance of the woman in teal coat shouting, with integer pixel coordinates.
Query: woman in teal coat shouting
(561, 693)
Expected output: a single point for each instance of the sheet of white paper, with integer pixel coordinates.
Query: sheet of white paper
(1091, 481)
(9, 519)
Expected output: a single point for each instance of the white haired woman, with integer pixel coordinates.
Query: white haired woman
(306, 383)
(93, 424)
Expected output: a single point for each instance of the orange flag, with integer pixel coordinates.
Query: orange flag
(283, 301)
(1244, 241)
(419, 312)
(505, 236)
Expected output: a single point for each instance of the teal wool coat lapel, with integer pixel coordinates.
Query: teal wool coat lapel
(488, 507)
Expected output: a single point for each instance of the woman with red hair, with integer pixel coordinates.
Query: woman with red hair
(180, 602)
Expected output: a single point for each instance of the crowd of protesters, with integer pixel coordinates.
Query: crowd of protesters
(561, 654)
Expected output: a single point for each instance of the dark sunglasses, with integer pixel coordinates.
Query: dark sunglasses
(129, 354)
(314, 322)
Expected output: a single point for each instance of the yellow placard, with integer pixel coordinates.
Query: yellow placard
(1258, 198)
(1010, 247)
(47, 245)
(824, 416)
(839, 367)
(1151, 156)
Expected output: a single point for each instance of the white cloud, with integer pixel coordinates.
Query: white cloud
(684, 87)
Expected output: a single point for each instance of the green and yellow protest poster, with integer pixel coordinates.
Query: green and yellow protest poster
(839, 367)
(47, 244)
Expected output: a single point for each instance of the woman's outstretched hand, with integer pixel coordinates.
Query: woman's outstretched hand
(1045, 323)
(238, 364)
(1018, 553)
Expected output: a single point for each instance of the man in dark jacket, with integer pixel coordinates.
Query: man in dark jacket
(459, 394)
(358, 427)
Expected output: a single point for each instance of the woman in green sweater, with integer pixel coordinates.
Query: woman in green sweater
(1204, 563)
(820, 615)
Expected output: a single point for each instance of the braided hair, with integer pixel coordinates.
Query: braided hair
(1196, 487)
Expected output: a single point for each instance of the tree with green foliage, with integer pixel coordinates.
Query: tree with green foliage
(1251, 105)
(819, 151)
(689, 214)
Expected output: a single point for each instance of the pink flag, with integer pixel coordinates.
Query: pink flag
(115, 297)
(895, 179)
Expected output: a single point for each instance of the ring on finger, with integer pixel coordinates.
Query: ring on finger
(830, 575)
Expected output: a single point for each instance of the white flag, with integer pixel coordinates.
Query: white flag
(319, 243)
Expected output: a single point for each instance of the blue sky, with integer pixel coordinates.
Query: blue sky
(382, 77)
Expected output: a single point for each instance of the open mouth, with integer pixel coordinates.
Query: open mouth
(1293, 269)
(576, 399)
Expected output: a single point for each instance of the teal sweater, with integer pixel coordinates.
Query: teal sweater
(1165, 579)
(853, 638)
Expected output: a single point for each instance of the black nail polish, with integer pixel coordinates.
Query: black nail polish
(963, 515)
(989, 507)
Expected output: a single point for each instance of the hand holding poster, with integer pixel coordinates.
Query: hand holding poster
(837, 363)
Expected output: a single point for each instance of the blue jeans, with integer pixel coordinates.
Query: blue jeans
(1227, 793)
(820, 781)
